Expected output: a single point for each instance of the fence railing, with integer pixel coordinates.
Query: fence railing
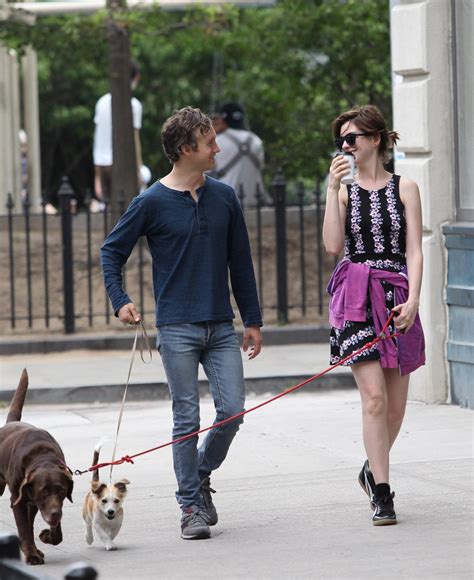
(50, 269)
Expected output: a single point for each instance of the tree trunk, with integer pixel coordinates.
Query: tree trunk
(124, 168)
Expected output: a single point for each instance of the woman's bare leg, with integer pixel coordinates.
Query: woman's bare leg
(397, 392)
(370, 380)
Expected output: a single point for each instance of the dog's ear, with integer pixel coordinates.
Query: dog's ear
(21, 489)
(70, 487)
(122, 485)
(97, 487)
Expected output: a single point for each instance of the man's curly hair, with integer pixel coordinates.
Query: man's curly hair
(180, 129)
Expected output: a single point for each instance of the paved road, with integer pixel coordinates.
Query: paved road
(288, 500)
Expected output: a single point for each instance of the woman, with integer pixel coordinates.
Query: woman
(377, 221)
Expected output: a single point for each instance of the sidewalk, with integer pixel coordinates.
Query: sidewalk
(86, 376)
(288, 499)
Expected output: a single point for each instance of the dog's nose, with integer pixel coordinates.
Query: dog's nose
(110, 512)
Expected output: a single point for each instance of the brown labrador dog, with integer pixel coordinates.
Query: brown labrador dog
(33, 466)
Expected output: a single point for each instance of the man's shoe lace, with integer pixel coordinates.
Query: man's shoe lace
(195, 517)
(206, 491)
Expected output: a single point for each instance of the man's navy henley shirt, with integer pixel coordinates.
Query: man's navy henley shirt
(194, 246)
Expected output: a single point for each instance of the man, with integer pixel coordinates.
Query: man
(241, 158)
(197, 236)
(103, 150)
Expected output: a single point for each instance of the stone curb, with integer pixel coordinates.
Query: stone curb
(113, 393)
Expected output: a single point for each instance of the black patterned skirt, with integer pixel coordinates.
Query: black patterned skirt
(355, 335)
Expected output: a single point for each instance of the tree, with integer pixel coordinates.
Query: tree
(294, 67)
(124, 168)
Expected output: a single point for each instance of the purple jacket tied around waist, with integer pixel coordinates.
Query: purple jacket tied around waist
(349, 286)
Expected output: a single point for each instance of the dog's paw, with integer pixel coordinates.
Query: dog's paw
(89, 538)
(45, 536)
(54, 537)
(110, 547)
(34, 558)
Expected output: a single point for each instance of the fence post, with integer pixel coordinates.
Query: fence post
(90, 303)
(9, 546)
(11, 566)
(317, 194)
(44, 228)
(301, 194)
(279, 195)
(80, 571)
(11, 256)
(65, 195)
(26, 212)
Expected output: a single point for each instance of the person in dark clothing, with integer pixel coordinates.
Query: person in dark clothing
(197, 236)
(377, 221)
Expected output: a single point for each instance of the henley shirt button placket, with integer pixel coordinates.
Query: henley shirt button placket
(200, 219)
(195, 205)
(202, 222)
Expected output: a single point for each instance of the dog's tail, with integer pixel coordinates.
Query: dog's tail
(16, 405)
(95, 459)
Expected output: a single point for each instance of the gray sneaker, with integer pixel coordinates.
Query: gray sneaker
(195, 524)
(206, 491)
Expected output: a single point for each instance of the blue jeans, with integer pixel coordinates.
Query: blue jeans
(182, 347)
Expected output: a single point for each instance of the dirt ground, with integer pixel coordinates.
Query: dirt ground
(31, 277)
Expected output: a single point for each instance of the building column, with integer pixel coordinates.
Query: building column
(29, 67)
(10, 167)
(422, 104)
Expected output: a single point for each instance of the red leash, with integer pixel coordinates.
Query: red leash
(129, 458)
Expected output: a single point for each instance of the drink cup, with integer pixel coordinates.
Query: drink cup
(348, 178)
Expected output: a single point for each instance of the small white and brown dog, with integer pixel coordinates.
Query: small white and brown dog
(103, 507)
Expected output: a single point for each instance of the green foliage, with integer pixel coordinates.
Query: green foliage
(294, 67)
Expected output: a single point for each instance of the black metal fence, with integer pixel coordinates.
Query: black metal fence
(51, 278)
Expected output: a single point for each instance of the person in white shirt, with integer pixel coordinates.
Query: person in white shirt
(103, 150)
(241, 158)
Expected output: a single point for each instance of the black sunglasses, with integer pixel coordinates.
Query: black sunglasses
(349, 138)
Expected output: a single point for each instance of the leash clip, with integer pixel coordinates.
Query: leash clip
(79, 472)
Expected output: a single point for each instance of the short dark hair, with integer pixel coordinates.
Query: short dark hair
(134, 69)
(180, 129)
(368, 119)
(233, 115)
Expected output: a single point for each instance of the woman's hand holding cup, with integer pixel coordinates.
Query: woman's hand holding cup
(340, 167)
